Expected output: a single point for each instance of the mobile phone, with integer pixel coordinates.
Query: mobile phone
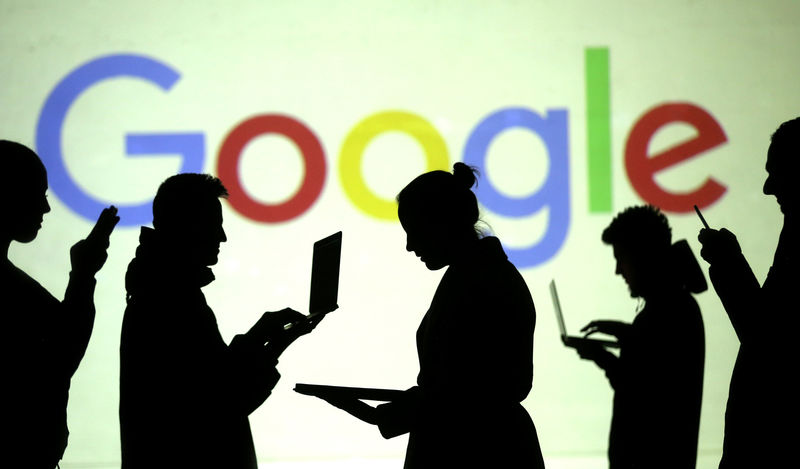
(701, 217)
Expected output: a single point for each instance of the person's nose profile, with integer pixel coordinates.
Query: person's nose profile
(768, 186)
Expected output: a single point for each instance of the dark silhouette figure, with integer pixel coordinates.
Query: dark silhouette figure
(475, 343)
(44, 339)
(658, 376)
(185, 395)
(763, 412)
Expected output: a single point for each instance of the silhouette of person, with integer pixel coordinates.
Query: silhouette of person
(475, 343)
(44, 339)
(658, 376)
(762, 411)
(185, 395)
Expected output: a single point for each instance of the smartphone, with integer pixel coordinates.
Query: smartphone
(701, 217)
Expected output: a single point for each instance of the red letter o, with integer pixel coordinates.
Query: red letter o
(313, 162)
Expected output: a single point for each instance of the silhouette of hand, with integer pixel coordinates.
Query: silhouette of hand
(88, 255)
(355, 407)
(274, 324)
(718, 245)
(590, 351)
(251, 351)
(278, 320)
(617, 329)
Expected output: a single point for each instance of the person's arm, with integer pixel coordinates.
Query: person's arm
(355, 407)
(604, 359)
(87, 257)
(280, 329)
(249, 375)
(617, 329)
(733, 280)
(392, 418)
(400, 415)
(252, 372)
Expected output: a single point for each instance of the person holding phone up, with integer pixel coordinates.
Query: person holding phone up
(763, 410)
(44, 339)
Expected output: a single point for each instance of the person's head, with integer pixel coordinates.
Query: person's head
(782, 166)
(641, 239)
(188, 215)
(438, 212)
(27, 183)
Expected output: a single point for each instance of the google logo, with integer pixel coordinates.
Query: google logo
(551, 127)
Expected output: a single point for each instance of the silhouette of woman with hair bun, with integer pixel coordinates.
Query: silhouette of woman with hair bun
(475, 343)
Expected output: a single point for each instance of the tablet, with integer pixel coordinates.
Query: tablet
(367, 394)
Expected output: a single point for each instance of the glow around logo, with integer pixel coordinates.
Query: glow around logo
(551, 127)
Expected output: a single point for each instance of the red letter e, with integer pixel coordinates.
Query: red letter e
(642, 167)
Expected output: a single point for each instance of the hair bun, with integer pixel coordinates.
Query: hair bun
(465, 176)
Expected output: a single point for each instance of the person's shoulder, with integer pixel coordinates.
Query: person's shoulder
(486, 258)
(676, 311)
(17, 284)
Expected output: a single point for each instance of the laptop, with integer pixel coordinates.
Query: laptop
(573, 341)
(324, 288)
(325, 275)
(324, 291)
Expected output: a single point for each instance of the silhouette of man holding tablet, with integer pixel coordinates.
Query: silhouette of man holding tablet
(185, 395)
(762, 412)
(44, 340)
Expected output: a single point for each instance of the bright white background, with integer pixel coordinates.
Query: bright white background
(332, 64)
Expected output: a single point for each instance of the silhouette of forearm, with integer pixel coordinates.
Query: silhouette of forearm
(739, 291)
(244, 392)
(398, 417)
(78, 313)
(609, 363)
(248, 375)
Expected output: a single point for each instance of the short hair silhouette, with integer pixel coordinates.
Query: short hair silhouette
(639, 229)
(183, 196)
(788, 132)
(443, 197)
(785, 143)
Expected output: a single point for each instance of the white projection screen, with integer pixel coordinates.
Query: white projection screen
(323, 111)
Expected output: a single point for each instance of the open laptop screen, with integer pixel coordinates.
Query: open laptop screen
(568, 340)
(325, 274)
(557, 306)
